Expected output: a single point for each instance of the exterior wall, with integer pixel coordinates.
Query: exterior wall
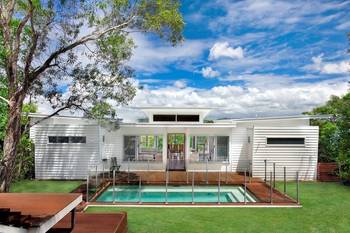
(114, 143)
(65, 161)
(302, 158)
(247, 149)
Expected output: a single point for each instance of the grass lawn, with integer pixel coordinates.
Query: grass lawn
(326, 208)
(44, 186)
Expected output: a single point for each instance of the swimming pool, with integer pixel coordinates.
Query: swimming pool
(175, 194)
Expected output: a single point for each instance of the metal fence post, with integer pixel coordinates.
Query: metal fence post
(206, 168)
(128, 170)
(274, 175)
(245, 186)
(192, 187)
(113, 186)
(265, 162)
(284, 180)
(96, 179)
(271, 187)
(298, 201)
(87, 188)
(140, 194)
(219, 184)
(148, 165)
(226, 174)
(166, 187)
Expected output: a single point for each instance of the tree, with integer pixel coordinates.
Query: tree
(335, 133)
(73, 53)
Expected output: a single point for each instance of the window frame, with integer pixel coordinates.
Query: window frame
(69, 141)
(285, 144)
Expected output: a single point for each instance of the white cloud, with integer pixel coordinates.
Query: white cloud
(237, 101)
(223, 49)
(180, 84)
(328, 67)
(151, 56)
(343, 26)
(208, 72)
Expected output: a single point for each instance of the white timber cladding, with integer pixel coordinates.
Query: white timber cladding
(247, 140)
(239, 150)
(301, 158)
(65, 160)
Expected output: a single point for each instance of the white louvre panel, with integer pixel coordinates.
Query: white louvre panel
(65, 160)
(302, 158)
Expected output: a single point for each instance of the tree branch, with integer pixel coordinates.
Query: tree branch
(5, 100)
(93, 36)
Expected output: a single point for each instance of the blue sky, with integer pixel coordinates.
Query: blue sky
(239, 56)
(247, 58)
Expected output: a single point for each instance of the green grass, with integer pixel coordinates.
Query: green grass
(44, 186)
(326, 208)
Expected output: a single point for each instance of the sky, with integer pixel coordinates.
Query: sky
(247, 58)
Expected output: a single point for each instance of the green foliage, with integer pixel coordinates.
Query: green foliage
(335, 133)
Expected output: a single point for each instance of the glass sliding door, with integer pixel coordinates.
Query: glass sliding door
(211, 148)
(143, 148)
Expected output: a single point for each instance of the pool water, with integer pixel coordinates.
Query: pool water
(176, 194)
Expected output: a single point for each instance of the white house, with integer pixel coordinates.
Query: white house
(176, 139)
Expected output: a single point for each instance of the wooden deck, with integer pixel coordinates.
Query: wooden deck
(93, 223)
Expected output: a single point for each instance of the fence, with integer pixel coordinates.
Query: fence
(218, 182)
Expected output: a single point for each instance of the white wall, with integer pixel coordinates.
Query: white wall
(302, 158)
(65, 161)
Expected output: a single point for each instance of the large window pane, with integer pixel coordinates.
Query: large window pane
(130, 143)
(222, 148)
(143, 148)
(211, 148)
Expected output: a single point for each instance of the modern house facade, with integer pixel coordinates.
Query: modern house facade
(176, 139)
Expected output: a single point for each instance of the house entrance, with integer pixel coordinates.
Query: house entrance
(176, 152)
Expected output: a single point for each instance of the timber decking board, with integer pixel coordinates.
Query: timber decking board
(92, 223)
(37, 204)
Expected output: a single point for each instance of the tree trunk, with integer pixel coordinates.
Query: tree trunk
(12, 138)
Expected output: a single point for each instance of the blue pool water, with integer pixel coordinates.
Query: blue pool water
(176, 194)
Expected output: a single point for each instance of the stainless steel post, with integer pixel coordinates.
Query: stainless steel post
(265, 164)
(206, 168)
(113, 186)
(166, 187)
(140, 194)
(298, 201)
(87, 188)
(128, 170)
(274, 175)
(284, 180)
(245, 186)
(226, 174)
(96, 179)
(148, 165)
(219, 184)
(271, 187)
(192, 187)
(186, 177)
(103, 171)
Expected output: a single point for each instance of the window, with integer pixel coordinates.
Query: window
(67, 139)
(176, 118)
(143, 148)
(211, 148)
(77, 139)
(285, 141)
(164, 117)
(188, 118)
